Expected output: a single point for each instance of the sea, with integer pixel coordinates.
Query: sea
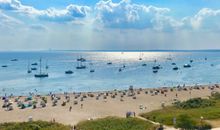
(127, 68)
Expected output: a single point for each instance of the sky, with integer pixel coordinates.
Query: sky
(109, 24)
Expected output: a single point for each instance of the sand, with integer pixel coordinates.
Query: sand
(93, 108)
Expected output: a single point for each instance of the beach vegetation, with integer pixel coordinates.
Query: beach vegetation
(194, 103)
(116, 123)
(191, 113)
(34, 125)
(185, 122)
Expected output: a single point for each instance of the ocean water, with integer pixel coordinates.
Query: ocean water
(15, 79)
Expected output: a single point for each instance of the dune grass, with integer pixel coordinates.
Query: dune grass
(116, 123)
(167, 114)
(35, 125)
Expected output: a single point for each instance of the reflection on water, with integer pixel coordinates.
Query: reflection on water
(15, 79)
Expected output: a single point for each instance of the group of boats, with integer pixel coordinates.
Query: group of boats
(41, 74)
(156, 68)
(81, 65)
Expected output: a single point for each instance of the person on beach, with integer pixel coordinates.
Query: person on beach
(70, 109)
(74, 127)
(81, 106)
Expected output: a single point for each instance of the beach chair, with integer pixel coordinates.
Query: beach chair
(16, 100)
(43, 104)
(9, 108)
(44, 99)
(28, 98)
(23, 106)
(113, 96)
(34, 106)
(54, 103)
(75, 102)
(30, 104)
(63, 104)
(84, 96)
(4, 105)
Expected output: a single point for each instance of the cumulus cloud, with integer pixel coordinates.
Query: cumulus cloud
(70, 13)
(15, 5)
(125, 14)
(207, 19)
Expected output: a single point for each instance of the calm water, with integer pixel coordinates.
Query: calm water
(15, 79)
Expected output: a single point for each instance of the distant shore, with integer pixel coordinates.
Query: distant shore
(71, 108)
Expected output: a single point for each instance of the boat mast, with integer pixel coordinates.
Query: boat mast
(40, 65)
(28, 65)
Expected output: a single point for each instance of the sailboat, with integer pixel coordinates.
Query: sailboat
(34, 63)
(41, 75)
(81, 59)
(109, 63)
(14, 60)
(80, 66)
(144, 64)
(33, 68)
(68, 72)
(175, 68)
(4, 66)
(141, 56)
(156, 67)
(120, 69)
(47, 66)
(91, 70)
(29, 71)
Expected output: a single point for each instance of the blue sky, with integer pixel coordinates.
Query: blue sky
(109, 24)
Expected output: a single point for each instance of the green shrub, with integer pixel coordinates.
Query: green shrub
(35, 125)
(115, 123)
(215, 96)
(204, 126)
(195, 103)
(185, 122)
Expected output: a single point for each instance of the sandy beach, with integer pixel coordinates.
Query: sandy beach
(100, 104)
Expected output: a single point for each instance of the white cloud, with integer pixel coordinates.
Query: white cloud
(121, 25)
(16, 5)
(7, 21)
(207, 19)
(70, 13)
(125, 14)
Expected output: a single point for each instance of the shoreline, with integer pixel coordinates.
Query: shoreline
(100, 104)
(112, 90)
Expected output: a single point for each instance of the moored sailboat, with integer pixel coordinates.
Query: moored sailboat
(41, 75)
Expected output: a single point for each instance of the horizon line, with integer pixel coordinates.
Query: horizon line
(114, 50)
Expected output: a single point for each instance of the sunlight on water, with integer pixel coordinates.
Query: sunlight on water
(134, 56)
(127, 68)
